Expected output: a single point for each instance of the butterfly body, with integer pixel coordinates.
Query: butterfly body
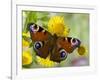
(46, 44)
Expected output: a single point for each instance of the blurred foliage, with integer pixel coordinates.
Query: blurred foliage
(36, 17)
(77, 22)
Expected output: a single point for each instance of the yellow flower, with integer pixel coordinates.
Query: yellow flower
(82, 50)
(26, 57)
(46, 62)
(25, 43)
(56, 26)
(26, 34)
(66, 32)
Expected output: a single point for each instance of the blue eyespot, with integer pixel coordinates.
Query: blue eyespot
(38, 44)
(63, 54)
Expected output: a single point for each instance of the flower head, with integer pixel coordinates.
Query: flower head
(25, 40)
(56, 26)
(82, 50)
(46, 62)
(25, 43)
(26, 34)
(26, 57)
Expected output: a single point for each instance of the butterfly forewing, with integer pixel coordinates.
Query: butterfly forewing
(69, 43)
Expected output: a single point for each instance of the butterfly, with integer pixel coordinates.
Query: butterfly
(45, 44)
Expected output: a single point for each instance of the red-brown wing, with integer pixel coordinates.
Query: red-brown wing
(63, 47)
(41, 40)
(68, 44)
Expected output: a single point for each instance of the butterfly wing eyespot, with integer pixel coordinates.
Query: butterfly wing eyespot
(34, 28)
(75, 42)
(63, 54)
(38, 45)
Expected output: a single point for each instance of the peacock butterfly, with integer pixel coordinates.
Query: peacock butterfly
(46, 44)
